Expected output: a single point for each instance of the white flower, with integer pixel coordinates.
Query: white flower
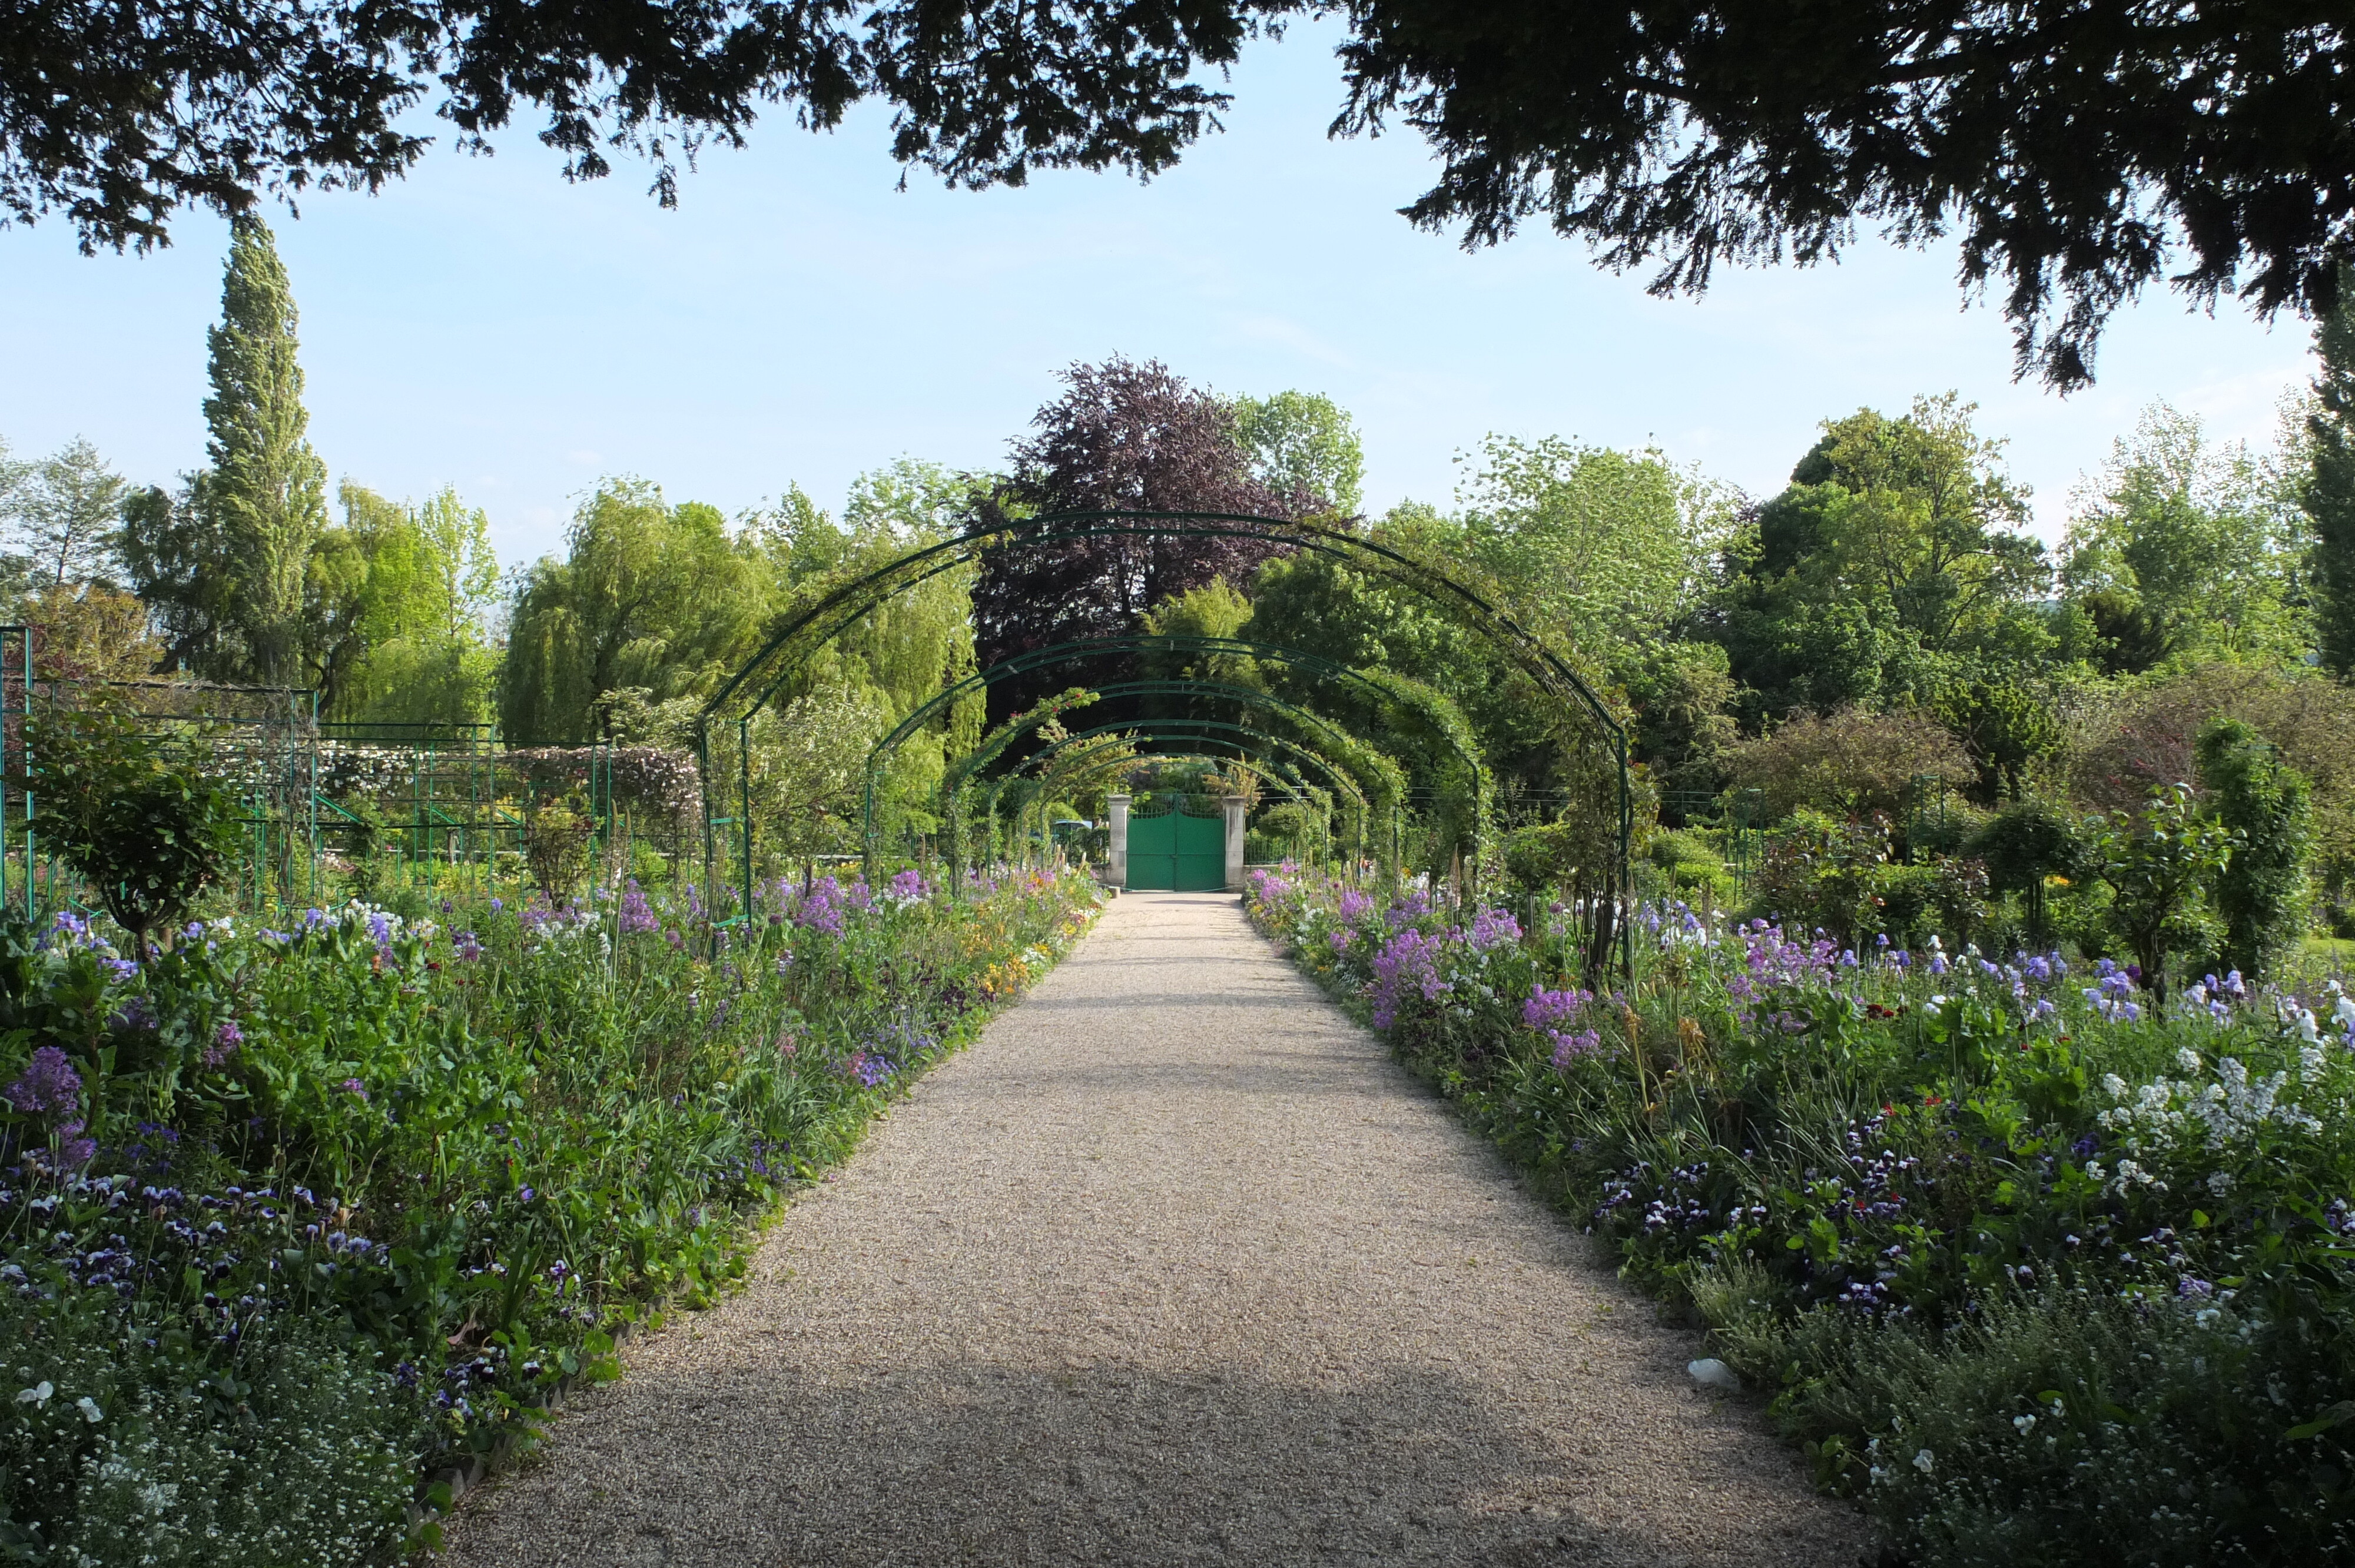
(88, 1408)
(2220, 1183)
(1924, 1461)
(36, 1395)
(157, 1497)
(2188, 1059)
(2024, 1423)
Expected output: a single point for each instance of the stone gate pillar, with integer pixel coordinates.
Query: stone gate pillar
(1116, 857)
(1234, 804)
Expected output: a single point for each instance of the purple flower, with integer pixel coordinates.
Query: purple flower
(636, 914)
(50, 1085)
(527, 1194)
(226, 1040)
(1494, 928)
(497, 904)
(354, 1087)
(465, 947)
(1568, 1048)
(1408, 962)
(908, 888)
(1550, 1010)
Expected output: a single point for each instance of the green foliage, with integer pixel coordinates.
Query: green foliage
(1595, 549)
(423, 583)
(2160, 864)
(2266, 806)
(145, 830)
(2188, 552)
(2027, 842)
(1304, 445)
(1844, 877)
(1692, 867)
(650, 596)
(265, 495)
(1892, 566)
(2327, 490)
(1539, 859)
(373, 1189)
(1852, 761)
(557, 837)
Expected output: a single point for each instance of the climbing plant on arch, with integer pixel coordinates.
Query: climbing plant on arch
(1583, 721)
(1187, 730)
(1367, 767)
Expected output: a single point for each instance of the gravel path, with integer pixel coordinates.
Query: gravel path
(1174, 1266)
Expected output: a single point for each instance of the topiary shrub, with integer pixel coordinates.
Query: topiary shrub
(148, 831)
(2265, 804)
(1539, 859)
(1692, 865)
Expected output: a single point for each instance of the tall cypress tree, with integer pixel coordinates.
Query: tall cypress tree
(267, 489)
(2330, 489)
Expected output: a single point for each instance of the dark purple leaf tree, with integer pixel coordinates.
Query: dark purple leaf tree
(1124, 437)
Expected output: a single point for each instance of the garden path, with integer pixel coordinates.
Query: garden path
(1174, 1266)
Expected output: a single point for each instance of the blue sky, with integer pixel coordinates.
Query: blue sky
(798, 319)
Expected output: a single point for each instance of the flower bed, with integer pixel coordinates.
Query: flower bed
(2039, 1270)
(286, 1213)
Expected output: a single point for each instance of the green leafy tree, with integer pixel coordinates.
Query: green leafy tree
(2328, 492)
(1894, 564)
(648, 595)
(266, 489)
(2160, 864)
(65, 515)
(1595, 549)
(1304, 443)
(179, 565)
(2267, 806)
(2186, 551)
(427, 579)
(145, 830)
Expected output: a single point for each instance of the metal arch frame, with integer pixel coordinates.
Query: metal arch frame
(1241, 758)
(855, 599)
(1036, 659)
(1380, 691)
(1154, 729)
(1264, 771)
(1346, 786)
(953, 782)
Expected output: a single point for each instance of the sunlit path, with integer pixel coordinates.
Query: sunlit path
(1172, 1266)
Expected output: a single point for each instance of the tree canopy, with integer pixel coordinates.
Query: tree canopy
(2079, 151)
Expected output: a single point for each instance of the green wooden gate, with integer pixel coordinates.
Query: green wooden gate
(1176, 854)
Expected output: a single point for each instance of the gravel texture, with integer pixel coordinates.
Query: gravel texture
(1174, 1266)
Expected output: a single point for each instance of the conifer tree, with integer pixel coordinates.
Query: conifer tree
(2329, 488)
(266, 492)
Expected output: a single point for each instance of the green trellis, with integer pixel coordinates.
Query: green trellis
(774, 670)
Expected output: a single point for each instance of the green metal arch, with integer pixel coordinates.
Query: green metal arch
(1308, 717)
(1384, 690)
(954, 781)
(1046, 758)
(1165, 728)
(757, 681)
(1161, 729)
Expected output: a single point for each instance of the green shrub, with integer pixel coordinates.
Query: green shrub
(1539, 859)
(146, 829)
(1693, 868)
(2264, 804)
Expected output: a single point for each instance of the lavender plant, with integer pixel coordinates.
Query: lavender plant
(2013, 1244)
